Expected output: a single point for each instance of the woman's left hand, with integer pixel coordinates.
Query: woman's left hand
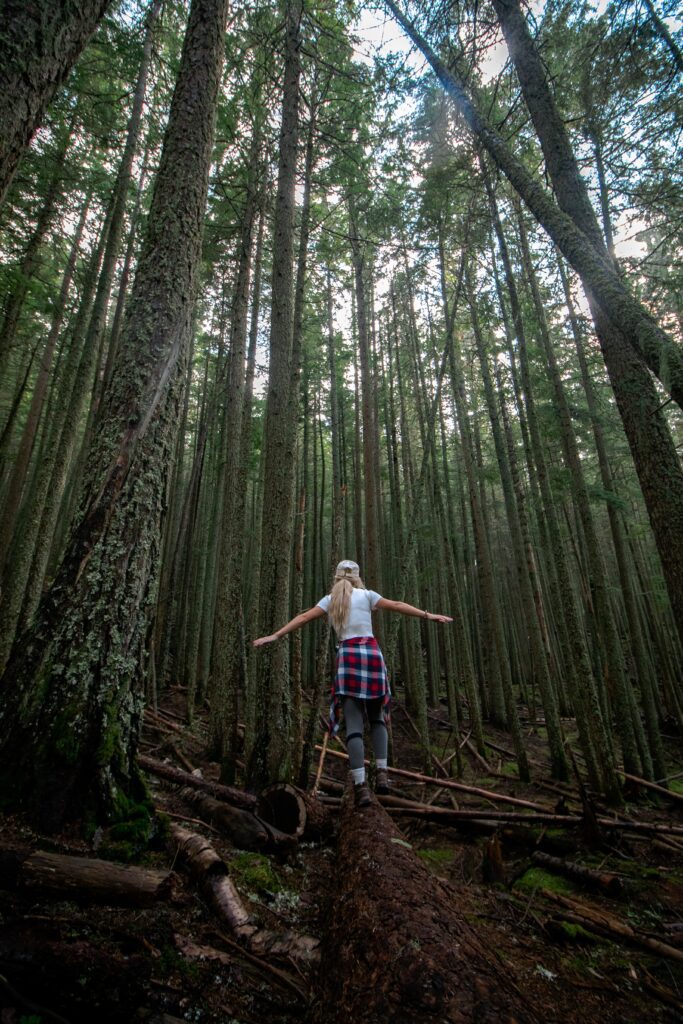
(438, 618)
(265, 640)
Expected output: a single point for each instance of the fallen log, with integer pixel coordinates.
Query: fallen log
(670, 794)
(293, 811)
(605, 881)
(246, 830)
(449, 783)
(606, 924)
(213, 876)
(230, 794)
(412, 808)
(211, 871)
(398, 947)
(83, 879)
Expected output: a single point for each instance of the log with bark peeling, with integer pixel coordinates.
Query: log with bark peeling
(246, 830)
(85, 879)
(212, 873)
(397, 946)
(230, 794)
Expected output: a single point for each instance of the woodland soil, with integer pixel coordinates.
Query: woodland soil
(82, 963)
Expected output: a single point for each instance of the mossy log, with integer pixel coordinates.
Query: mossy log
(397, 947)
(294, 811)
(605, 881)
(84, 879)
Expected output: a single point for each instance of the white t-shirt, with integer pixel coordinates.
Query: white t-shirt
(359, 622)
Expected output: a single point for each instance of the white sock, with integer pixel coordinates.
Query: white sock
(381, 762)
(358, 776)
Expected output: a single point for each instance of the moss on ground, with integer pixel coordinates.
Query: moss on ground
(437, 856)
(254, 872)
(535, 878)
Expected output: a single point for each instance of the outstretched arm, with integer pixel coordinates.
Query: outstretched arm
(409, 609)
(296, 623)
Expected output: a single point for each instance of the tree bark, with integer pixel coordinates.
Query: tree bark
(72, 699)
(39, 44)
(269, 754)
(398, 947)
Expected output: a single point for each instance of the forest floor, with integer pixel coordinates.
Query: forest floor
(579, 954)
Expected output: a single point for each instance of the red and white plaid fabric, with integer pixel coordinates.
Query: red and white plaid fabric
(361, 672)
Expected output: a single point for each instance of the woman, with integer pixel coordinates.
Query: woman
(361, 681)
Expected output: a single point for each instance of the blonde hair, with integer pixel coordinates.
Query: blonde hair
(340, 599)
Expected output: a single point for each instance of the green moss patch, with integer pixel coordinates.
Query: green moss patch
(436, 856)
(576, 932)
(253, 871)
(534, 879)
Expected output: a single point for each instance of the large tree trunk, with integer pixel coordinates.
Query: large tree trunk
(39, 44)
(71, 705)
(398, 947)
(268, 722)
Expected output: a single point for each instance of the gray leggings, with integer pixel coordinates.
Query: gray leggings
(353, 723)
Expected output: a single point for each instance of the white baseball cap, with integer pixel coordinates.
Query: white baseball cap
(347, 569)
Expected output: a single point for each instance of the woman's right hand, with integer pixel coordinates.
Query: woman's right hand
(262, 640)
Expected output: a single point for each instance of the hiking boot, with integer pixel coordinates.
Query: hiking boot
(361, 795)
(382, 784)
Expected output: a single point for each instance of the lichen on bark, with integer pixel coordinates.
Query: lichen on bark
(72, 693)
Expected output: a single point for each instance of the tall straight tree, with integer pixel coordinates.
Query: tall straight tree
(39, 44)
(72, 694)
(269, 717)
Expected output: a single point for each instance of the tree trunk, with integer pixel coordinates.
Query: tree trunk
(269, 755)
(17, 478)
(73, 692)
(39, 44)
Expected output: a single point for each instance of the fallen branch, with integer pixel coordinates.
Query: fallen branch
(670, 794)
(446, 814)
(486, 794)
(193, 951)
(178, 754)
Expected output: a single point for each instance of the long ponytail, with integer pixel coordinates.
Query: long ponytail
(340, 600)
